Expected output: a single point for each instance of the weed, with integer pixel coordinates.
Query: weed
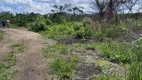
(56, 50)
(117, 52)
(135, 72)
(64, 68)
(1, 36)
(103, 64)
(18, 46)
(91, 46)
(6, 74)
(9, 60)
(137, 48)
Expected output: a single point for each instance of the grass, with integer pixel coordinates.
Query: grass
(18, 46)
(6, 74)
(64, 68)
(62, 62)
(57, 50)
(1, 36)
(91, 46)
(8, 61)
(13, 26)
(117, 52)
(135, 72)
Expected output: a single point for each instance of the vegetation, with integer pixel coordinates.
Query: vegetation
(18, 47)
(110, 39)
(1, 36)
(8, 61)
(64, 68)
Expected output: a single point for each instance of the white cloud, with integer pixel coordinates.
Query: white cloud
(40, 6)
(5, 9)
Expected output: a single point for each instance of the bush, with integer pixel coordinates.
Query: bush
(135, 72)
(84, 29)
(39, 24)
(117, 52)
(64, 68)
(115, 30)
(137, 48)
(59, 17)
(48, 22)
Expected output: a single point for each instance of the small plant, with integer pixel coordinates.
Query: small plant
(56, 50)
(135, 72)
(91, 46)
(117, 52)
(107, 77)
(100, 35)
(64, 68)
(1, 36)
(137, 48)
(5, 74)
(103, 64)
(18, 46)
(9, 60)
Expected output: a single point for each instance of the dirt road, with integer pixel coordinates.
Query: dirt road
(30, 64)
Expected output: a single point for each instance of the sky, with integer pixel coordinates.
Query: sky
(42, 6)
(39, 6)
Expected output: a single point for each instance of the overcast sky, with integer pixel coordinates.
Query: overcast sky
(38, 6)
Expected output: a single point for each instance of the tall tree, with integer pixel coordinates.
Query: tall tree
(107, 8)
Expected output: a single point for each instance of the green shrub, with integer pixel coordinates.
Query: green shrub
(48, 22)
(114, 30)
(63, 30)
(107, 77)
(83, 29)
(59, 17)
(91, 46)
(39, 24)
(100, 35)
(64, 68)
(135, 72)
(117, 52)
(137, 48)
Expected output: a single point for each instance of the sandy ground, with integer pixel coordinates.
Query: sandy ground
(30, 64)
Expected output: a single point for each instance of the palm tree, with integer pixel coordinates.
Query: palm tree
(107, 8)
(99, 5)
